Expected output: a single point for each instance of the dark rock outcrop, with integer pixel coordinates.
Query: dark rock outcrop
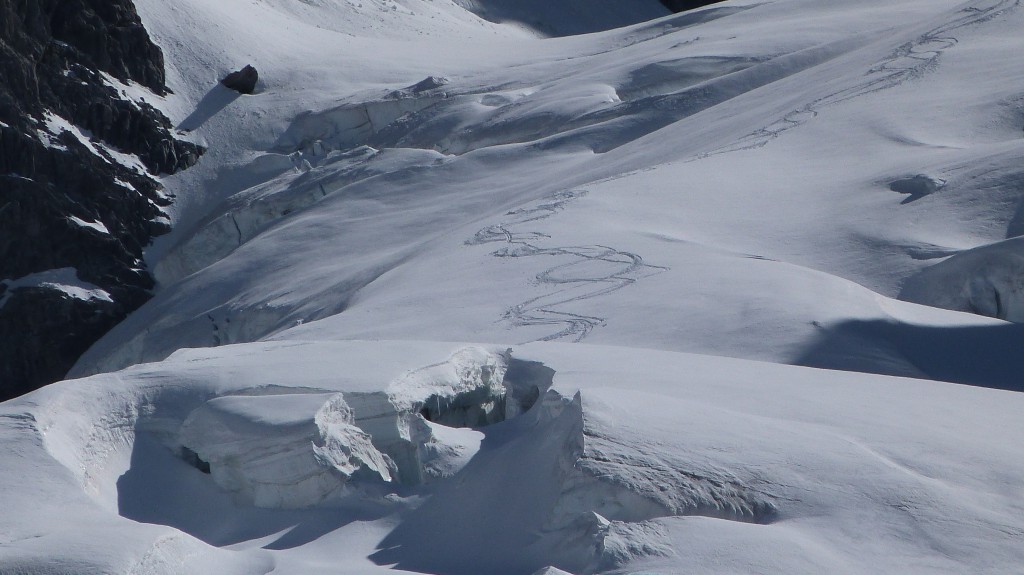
(242, 81)
(684, 5)
(71, 195)
(916, 187)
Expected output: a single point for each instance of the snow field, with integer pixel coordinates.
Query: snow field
(784, 182)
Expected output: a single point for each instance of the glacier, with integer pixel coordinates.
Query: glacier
(560, 287)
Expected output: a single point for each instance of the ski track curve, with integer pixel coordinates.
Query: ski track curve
(909, 61)
(593, 270)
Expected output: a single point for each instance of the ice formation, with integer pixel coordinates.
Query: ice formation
(295, 449)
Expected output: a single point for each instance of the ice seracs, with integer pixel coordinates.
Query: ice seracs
(284, 451)
(292, 448)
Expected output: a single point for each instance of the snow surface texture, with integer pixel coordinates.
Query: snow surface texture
(296, 450)
(633, 215)
(626, 460)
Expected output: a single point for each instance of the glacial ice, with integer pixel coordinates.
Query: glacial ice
(297, 449)
(564, 485)
(265, 448)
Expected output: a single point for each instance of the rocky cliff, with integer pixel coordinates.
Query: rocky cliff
(78, 197)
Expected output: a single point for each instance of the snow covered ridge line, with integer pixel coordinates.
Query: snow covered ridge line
(620, 460)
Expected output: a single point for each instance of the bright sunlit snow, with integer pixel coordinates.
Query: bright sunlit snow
(648, 232)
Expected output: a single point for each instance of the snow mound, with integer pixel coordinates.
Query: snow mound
(988, 280)
(281, 451)
(300, 449)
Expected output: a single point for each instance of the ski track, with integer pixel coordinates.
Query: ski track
(909, 61)
(594, 271)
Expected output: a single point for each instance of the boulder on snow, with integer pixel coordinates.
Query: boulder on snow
(242, 81)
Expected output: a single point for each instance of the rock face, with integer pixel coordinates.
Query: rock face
(683, 5)
(242, 81)
(77, 159)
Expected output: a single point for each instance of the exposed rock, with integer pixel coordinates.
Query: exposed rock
(428, 83)
(40, 345)
(684, 5)
(71, 193)
(916, 187)
(242, 81)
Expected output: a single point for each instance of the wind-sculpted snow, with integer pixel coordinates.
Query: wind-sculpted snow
(606, 461)
(607, 470)
(613, 471)
(592, 271)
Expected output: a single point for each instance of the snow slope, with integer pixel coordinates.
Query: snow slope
(731, 169)
(635, 229)
(629, 460)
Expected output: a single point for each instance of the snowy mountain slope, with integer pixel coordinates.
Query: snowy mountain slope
(676, 150)
(616, 224)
